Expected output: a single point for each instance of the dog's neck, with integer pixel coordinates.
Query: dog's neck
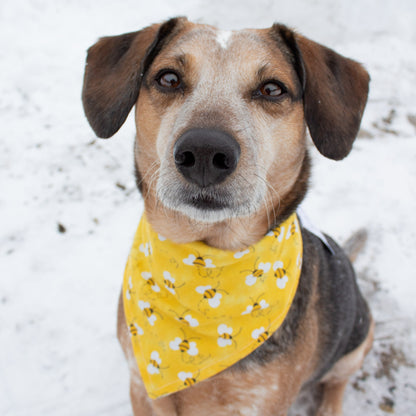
(234, 233)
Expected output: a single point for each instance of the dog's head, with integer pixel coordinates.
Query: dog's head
(221, 117)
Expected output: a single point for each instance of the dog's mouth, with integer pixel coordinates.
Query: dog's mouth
(206, 202)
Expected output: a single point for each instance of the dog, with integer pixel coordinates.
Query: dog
(221, 157)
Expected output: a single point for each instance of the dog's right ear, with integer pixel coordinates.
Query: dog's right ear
(114, 68)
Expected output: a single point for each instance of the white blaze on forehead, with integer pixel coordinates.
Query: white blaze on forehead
(223, 38)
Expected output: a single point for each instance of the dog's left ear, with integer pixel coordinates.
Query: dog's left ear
(335, 91)
(113, 72)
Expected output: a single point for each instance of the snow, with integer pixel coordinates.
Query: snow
(59, 290)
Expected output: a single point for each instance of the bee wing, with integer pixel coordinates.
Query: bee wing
(183, 376)
(174, 345)
(151, 369)
(215, 301)
(202, 289)
(208, 264)
(139, 330)
(265, 266)
(224, 342)
(281, 283)
(128, 296)
(192, 321)
(240, 254)
(168, 276)
(146, 275)
(155, 356)
(257, 332)
(152, 319)
(248, 310)
(155, 288)
(189, 260)
(250, 280)
(130, 283)
(277, 265)
(263, 304)
(143, 305)
(193, 350)
(222, 329)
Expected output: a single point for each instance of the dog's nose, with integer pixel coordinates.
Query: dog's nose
(206, 156)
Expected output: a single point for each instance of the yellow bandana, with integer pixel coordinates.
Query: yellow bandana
(194, 310)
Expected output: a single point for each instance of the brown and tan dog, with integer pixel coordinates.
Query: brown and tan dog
(250, 95)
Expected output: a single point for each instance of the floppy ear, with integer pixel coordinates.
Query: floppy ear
(335, 91)
(114, 68)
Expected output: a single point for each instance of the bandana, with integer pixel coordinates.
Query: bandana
(193, 310)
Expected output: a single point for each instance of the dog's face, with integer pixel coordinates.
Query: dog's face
(221, 116)
(226, 132)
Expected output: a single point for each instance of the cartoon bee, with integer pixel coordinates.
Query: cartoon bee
(169, 282)
(257, 273)
(255, 307)
(291, 230)
(150, 281)
(148, 311)
(224, 335)
(187, 378)
(135, 329)
(146, 249)
(280, 275)
(199, 260)
(210, 294)
(129, 290)
(187, 319)
(154, 363)
(184, 346)
(278, 233)
(260, 335)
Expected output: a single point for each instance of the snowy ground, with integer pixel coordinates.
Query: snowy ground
(69, 206)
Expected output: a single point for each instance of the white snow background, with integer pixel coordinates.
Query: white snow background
(69, 207)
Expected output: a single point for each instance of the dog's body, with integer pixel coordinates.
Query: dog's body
(249, 95)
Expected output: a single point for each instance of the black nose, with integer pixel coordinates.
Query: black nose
(206, 156)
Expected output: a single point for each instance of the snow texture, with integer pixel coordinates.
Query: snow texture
(69, 207)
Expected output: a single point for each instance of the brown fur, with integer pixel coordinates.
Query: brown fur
(325, 92)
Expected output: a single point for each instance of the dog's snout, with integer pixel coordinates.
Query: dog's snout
(206, 156)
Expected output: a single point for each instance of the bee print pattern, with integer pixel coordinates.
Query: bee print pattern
(260, 335)
(280, 275)
(184, 345)
(148, 311)
(187, 378)
(150, 281)
(225, 338)
(278, 233)
(154, 363)
(188, 320)
(129, 290)
(210, 294)
(135, 329)
(146, 249)
(256, 306)
(257, 273)
(169, 282)
(199, 260)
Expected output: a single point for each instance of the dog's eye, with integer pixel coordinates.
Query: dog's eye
(271, 89)
(169, 80)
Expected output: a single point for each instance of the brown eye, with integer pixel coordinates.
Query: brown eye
(169, 80)
(271, 89)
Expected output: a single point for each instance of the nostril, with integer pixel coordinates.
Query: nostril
(221, 161)
(186, 159)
